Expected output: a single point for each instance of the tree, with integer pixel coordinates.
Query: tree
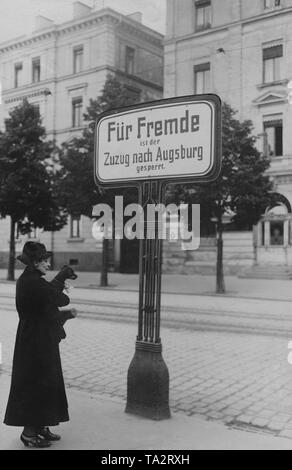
(27, 185)
(77, 188)
(242, 189)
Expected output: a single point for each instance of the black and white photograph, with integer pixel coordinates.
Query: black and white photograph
(145, 227)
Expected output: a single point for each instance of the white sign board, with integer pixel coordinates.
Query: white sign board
(164, 141)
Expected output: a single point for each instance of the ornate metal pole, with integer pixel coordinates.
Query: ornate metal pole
(148, 377)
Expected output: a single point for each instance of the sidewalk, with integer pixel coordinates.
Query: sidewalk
(213, 374)
(99, 423)
(196, 284)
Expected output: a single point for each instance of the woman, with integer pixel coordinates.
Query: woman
(37, 396)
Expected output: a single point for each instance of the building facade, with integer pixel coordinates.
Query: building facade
(242, 51)
(58, 69)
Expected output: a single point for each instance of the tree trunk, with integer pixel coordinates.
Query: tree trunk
(220, 285)
(11, 262)
(104, 264)
(52, 260)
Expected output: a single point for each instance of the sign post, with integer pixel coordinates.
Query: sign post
(148, 146)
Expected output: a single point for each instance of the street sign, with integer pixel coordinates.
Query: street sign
(150, 145)
(173, 139)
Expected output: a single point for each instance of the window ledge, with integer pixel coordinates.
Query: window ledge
(77, 128)
(75, 240)
(269, 9)
(199, 29)
(277, 82)
(277, 158)
(77, 86)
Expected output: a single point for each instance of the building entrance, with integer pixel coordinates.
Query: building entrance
(273, 236)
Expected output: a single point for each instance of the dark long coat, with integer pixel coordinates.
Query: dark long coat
(37, 394)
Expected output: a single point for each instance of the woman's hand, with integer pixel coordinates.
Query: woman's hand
(73, 312)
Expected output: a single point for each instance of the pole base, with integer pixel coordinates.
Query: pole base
(148, 383)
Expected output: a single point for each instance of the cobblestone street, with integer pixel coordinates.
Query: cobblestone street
(239, 379)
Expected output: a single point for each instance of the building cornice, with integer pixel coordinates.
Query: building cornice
(30, 89)
(136, 79)
(27, 41)
(141, 33)
(200, 34)
(77, 86)
(226, 26)
(271, 14)
(32, 94)
(106, 16)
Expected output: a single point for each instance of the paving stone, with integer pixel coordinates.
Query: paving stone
(266, 413)
(245, 418)
(215, 415)
(217, 406)
(286, 433)
(262, 422)
(288, 425)
(227, 419)
(239, 406)
(232, 411)
(276, 425)
(183, 406)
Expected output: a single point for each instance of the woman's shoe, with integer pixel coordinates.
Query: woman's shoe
(48, 435)
(34, 441)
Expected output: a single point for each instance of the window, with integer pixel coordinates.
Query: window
(76, 112)
(77, 59)
(203, 14)
(274, 136)
(276, 232)
(130, 60)
(272, 63)
(33, 233)
(271, 3)
(36, 107)
(36, 70)
(134, 94)
(17, 74)
(202, 78)
(75, 227)
(73, 261)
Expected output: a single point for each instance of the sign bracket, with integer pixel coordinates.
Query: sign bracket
(148, 377)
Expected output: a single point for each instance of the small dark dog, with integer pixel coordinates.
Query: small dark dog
(66, 272)
(58, 283)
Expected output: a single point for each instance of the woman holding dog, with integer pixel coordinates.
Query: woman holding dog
(37, 396)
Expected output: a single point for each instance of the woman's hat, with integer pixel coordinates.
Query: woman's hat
(33, 251)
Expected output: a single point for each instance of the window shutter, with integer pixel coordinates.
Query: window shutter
(273, 123)
(273, 52)
(202, 67)
(202, 3)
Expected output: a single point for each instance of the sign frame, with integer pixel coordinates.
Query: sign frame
(181, 179)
